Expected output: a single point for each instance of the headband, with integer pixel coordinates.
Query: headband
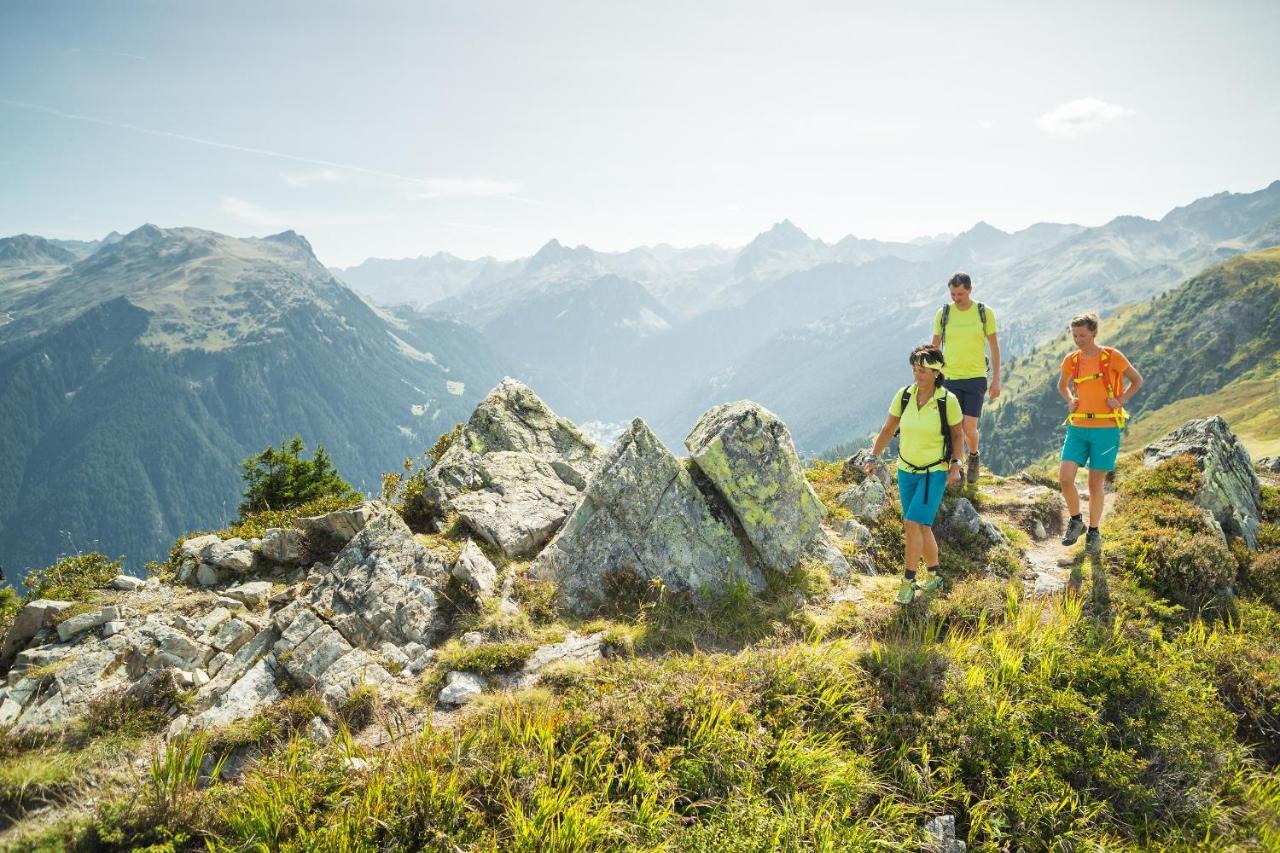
(932, 365)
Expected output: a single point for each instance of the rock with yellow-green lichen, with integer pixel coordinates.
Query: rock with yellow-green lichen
(748, 455)
(643, 518)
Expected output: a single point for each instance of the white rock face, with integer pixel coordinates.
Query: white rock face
(253, 595)
(283, 545)
(474, 569)
(127, 583)
(461, 688)
(68, 628)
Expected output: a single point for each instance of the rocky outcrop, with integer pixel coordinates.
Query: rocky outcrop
(474, 570)
(964, 520)
(1231, 492)
(514, 472)
(748, 455)
(865, 500)
(643, 517)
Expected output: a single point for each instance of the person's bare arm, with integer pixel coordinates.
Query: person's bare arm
(1135, 382)
(886, 433)
(953, 467)
(937, 341)
(1064, 389)
(994, 390)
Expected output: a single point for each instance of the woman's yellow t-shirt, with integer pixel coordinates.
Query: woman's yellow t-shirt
(920, 431)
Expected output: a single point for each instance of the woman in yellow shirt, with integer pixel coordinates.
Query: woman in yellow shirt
(926, 460)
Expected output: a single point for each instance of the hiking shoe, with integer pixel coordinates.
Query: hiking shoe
(972, 474)
(906, 592)
(1093, 542)
(934, 583)
(1074, 528)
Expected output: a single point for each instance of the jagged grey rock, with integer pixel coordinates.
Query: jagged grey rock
(643, 516)
(127, 583)
(824, 552)
(252, 690)
(964, 517)
(461, 688)
(283, 545)
(319, 732)
(252, 595)
(34, 617)
(940, 835)
(1231, 490)
(748, 455)
(855, 468)
(866, 500)
(474, 569)
(853, 531)
(511, 419)
(1270, 464)
(76, 679)
(518, 504)
(343, 524)
(573, 648)
(384, 586)
(82, 622)
(209, 575)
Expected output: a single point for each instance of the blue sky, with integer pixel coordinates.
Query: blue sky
(399, 129)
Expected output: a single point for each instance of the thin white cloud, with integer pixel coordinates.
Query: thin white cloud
(446, 187)
(1079, 117)
(423, 187)
(986, 124)
(247, 211)
(313, 177)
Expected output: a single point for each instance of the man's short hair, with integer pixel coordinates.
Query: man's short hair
(1090, 319)
(961, 279)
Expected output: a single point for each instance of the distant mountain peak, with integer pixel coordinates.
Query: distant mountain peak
(22, 249)
(294, 239)
(554, 252)
(782, 236)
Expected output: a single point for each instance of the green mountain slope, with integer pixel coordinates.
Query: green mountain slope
(124, 426)
(1208, 347)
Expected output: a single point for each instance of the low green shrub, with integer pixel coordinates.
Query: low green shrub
(1264, 576)
(73, 578)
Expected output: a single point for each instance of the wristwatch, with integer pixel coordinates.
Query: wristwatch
(957, 462)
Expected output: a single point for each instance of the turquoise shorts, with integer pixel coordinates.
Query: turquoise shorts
(921, 495)
(1094, 448)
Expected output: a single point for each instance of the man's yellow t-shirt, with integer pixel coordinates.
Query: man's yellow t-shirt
(1093, 393)
(965, 346)
(920, 431)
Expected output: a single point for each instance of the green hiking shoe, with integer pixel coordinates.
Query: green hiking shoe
(1093, 542)
(906, 592)
(1074, 528)
(935, 583)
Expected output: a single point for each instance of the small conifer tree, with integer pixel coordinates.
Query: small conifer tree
(281, 478)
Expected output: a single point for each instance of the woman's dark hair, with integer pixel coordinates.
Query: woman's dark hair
(926, 352)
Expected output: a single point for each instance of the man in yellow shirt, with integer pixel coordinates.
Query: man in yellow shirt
(963, 330)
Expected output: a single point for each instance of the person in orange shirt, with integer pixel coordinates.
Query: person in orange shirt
(1096, 382)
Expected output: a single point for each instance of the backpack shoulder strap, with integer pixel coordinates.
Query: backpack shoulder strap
(982, 318)
(942, 397)
(946, 315)
(904, 398)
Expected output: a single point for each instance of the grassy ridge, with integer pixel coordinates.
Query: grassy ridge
(1144, 715)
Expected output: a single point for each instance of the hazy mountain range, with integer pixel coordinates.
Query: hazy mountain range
(138, 370)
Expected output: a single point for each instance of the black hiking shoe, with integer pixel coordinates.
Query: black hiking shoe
(971, 475)
(1074, 528)
(1093, 542)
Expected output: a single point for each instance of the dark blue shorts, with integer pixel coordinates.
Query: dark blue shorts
(970, 393)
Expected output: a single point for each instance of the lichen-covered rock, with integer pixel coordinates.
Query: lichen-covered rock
(572, 649)
(474, 570)
(255, 688)
(855, 468)
(854, 532)
(643, 516)
(748, 455)
(822, 551)
(511, 419)
(1269, 464)
(518, 504)
(866, 500)
(1231, 491)
(384, 586)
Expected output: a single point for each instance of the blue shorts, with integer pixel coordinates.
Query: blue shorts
(1094, 448)
(911, 491)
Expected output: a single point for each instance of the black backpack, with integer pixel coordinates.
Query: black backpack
(943, 396)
